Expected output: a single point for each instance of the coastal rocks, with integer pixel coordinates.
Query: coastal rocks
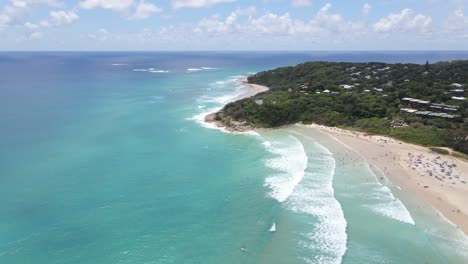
(227, 123)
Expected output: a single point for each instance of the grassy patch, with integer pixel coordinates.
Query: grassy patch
(440, 151)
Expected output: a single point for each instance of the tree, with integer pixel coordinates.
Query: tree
(427, 66)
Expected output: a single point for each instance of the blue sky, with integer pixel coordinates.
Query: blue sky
(233, 25)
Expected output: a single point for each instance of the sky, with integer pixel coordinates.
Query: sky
(232, 25)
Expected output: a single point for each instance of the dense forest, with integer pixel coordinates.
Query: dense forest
(424, 104)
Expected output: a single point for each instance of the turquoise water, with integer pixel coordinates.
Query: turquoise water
(104, 158)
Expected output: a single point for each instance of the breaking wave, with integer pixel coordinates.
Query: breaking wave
(304, 185)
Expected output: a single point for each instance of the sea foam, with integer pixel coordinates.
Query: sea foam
(290, 161)
(201, 69)
(152, 70)
(305, 186)
(221, 93)
(385, 203)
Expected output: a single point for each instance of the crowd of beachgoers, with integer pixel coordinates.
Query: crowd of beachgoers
(442, 170)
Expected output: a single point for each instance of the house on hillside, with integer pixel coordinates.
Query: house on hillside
(457, 91)
(412, 102)
(346, 86)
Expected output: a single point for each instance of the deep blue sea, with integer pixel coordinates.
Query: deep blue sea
(105, 158)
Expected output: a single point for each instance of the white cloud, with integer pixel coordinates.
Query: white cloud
(404, 21)
(15, 12)
(31, 26)
(214, 24)
(301, 3)
(271, 23)
(101, 35)
(58, 18)
(145, 10)
(115, 5)
(25, 3)
(457, 21)
(366, 8)
(197, 3)
(277, 24)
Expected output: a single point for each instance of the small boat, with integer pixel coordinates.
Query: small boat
(273, 228)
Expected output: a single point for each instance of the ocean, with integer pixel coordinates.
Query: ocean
(105, 158)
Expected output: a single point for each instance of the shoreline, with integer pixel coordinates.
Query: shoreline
(234, 126)
(428, 176)
(415, 169)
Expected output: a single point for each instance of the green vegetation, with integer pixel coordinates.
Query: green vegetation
(440, 151)
(362, 96)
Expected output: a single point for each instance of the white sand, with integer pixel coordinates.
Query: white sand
(428, 176)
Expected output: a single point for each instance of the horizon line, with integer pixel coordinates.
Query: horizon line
(264, 51)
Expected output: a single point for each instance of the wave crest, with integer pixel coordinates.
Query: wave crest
(290, 161)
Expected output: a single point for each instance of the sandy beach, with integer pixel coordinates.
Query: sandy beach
(252, 89)
(438, 180)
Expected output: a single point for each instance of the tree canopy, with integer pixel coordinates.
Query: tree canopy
(364, 96)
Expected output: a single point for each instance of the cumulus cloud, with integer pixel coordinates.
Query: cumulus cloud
(271, 23)
(101, 35)
(197, 3)
(31, 26)
(404, 21)
(215, 24)
(457, 21)
(15, 12)
(366, 8)
(279, 24)
(145, 10)
(115, 5)
(25, 3)
(58, 18)
(301, 3)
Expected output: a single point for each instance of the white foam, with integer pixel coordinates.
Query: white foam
(251, 133)
(200, 119)
(218, 99)
(119, 64)
(457, 240)
(194, 69)
(152, 70)
(315, 196)
(290, 161)
(191, 70)
(385, 203)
